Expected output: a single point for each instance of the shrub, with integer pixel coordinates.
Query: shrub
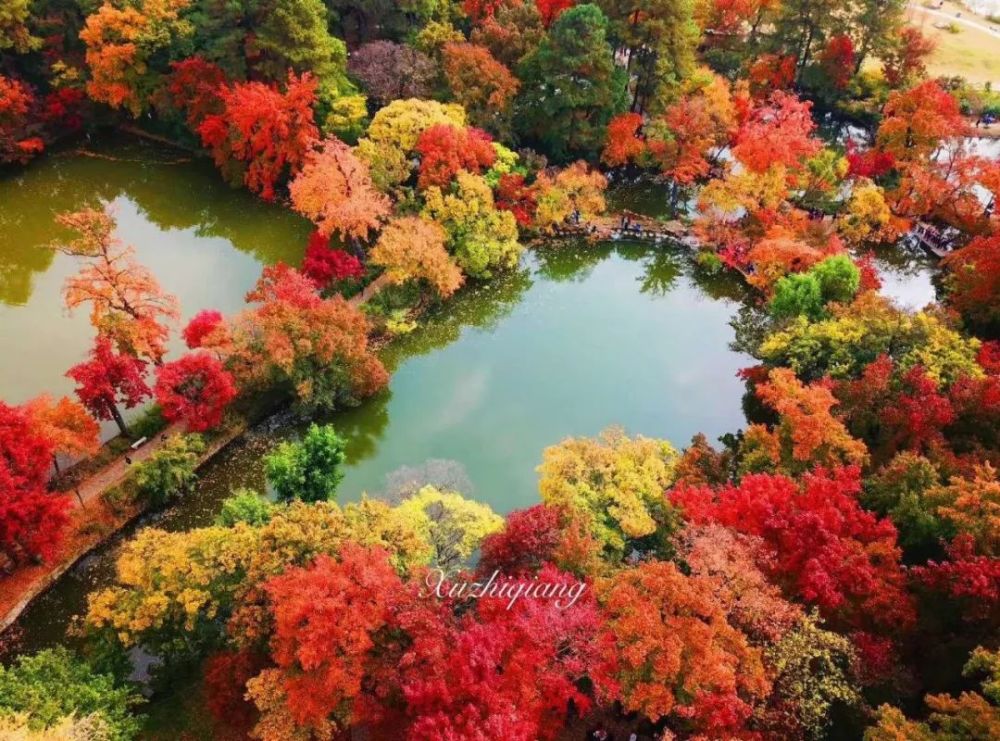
(170, 471)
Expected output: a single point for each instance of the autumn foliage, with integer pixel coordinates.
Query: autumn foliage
(319, 347)
(827, 550)
(262, 134)
(126, 302)
(109, 379)
(16, 102)
(31, 519)
(445, 150)
(325, 265)
(196, 389)
(334, 190)
(412, 248)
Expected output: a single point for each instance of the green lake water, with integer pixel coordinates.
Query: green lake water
(578, 338)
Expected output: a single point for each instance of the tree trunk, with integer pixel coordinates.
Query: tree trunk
(119, 419)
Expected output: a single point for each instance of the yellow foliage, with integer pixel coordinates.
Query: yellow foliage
(454, 525)
(744, 192)
(412, 248)
(856, 334)
(394, 131)
(479, 236)
(347, 117)
(90, 728)
(615, 483)
(576, 187)
(175, 580)
(867, 218)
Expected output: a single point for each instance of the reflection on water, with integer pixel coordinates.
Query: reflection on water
(204, 241)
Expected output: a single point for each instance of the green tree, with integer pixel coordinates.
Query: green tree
(309, 470)
(171, 471)
(659, 38)
(570, 85)
(52, 684)
(246, 506)
(798, 294)
(839, 278)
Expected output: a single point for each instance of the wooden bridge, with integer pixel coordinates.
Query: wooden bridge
(935, 241)
(626, 225)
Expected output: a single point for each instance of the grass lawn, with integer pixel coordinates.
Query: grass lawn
(970, 53)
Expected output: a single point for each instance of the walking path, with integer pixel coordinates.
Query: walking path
(961, 20)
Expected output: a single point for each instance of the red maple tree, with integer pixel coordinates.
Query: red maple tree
(262, 134)
(195, 388)
(31, 519)
(108, 379)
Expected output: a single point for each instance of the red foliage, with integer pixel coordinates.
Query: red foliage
(680, 656)
(324, 656)
(837, 60)
(195, 388)
(895, 412)
(971, 580)
(916, 121)
(772, 72)
(226, 676)
(477, 10)
(870, 163)
(445, 150)
(778, 131)
(529, 539)
(507, 673)
(325, 266)
(514, 196)
(195, 86)
(909, 56)
(16, 102)
(108, 379)
(31, 520)
(989, 357)
(623, 143)
(201, 325)
(550, 9)
(870, 278)
(974, 278)
(827, 550)
(61, 109)
(265, 131)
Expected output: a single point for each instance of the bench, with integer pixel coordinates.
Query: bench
(139, 443)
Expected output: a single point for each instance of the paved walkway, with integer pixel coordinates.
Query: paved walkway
(118, 470)
(963, 21)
